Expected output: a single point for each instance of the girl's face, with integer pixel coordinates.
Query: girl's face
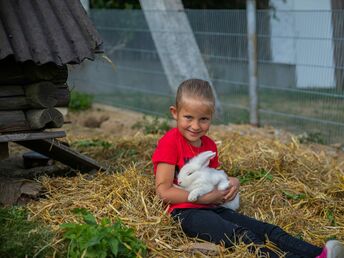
(193, 119)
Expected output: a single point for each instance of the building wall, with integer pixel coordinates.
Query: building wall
(304, 38)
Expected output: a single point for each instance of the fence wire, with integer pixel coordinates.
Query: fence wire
(300, 67)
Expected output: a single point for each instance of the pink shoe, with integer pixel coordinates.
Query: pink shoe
(332, 249)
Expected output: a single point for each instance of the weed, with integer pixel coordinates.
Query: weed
(80, 101)
(20, 237)
(101, 240)
(312, 137)
(331, 218)
(294, 196)
(153, 125)
(254, 175)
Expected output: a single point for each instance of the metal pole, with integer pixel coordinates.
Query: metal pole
(252, 61)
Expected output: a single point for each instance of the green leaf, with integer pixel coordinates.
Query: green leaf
(114, 246)
(294, 196)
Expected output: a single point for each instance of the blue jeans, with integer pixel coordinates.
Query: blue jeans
(227, 226)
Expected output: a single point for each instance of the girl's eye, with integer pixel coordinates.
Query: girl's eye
(188, 117)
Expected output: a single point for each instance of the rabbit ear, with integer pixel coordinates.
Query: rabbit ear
(204, 158)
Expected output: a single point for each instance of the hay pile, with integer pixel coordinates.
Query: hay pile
(284, 183)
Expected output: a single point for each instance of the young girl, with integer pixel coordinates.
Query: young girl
(203, 218)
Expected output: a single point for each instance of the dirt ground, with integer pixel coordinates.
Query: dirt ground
(107, 121)
(104, 120)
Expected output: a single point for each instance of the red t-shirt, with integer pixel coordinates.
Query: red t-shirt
(174, 149)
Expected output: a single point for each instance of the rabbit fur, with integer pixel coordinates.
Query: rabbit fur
(198, 178)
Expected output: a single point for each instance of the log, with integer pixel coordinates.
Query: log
(12, 121)
(11, 91)
(17, 73)
(40, 96)
(44, 118)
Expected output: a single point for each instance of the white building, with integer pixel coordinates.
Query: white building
(301, 32)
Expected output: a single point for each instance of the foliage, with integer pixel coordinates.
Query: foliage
(312, 137)
(153, 125)
(101, 240)
(80, 101)
(20, 237)
(254, 175)
(294, 196)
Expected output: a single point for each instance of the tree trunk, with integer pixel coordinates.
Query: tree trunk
(175, 42)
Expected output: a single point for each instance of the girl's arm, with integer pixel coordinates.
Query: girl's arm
(171, 194)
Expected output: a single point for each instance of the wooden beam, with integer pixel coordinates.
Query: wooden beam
(14, 137)
(58, 151)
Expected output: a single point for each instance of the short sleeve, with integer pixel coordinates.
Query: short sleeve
(165, 152)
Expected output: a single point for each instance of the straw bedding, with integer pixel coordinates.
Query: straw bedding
(283, 182)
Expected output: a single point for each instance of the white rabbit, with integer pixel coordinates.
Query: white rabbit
(198, 179)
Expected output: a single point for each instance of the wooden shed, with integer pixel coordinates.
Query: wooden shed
(38, 39)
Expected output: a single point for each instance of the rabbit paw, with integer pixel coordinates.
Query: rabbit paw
(192, 196)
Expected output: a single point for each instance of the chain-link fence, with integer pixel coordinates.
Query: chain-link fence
(300, 67)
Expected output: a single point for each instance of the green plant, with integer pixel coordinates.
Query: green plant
(312, 137)
(254, 175)
(20, 237)
(80, 101)
(153, 125)
(101, 240)
(294, 196)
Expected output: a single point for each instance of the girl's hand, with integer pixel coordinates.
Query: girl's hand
(233, 189)
(214, 197)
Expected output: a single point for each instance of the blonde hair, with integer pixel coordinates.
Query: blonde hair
(195, 89)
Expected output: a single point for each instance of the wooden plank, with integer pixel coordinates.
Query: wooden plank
(14, 137)
(58, 151)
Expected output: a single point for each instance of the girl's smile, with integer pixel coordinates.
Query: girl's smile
(193, 119)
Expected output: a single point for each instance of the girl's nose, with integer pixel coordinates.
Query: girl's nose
(195, 125)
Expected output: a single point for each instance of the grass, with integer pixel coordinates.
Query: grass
(22, 238)
(80, 101)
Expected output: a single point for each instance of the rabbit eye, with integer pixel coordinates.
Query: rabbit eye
(189, 173)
